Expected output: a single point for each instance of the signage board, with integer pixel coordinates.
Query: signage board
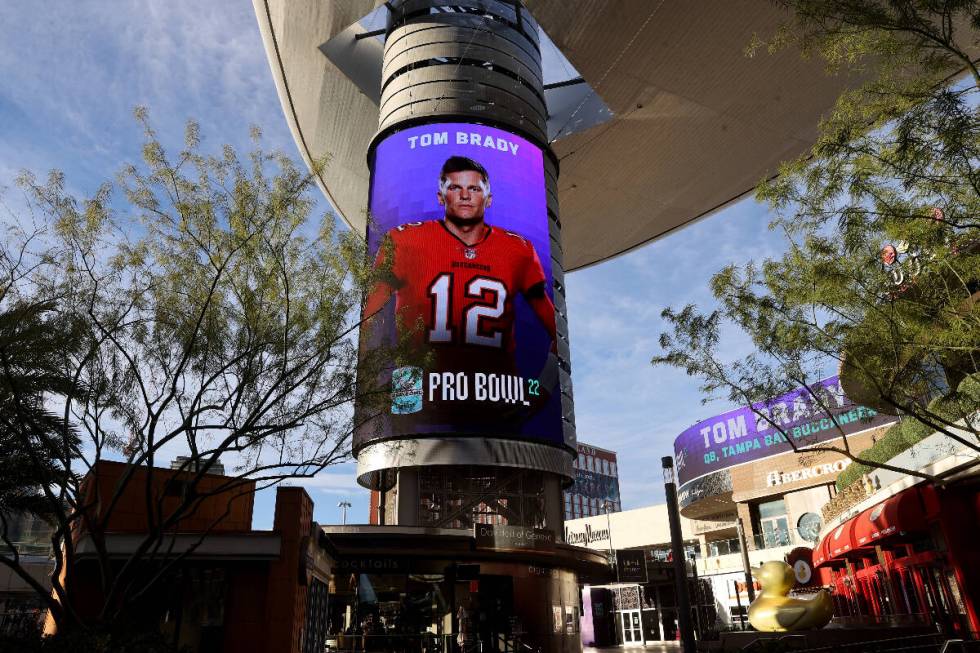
(765, 429)
(460, 239)
(631, 566)
(513, 538)
(831, 469)
(371, 565)
(586, 536)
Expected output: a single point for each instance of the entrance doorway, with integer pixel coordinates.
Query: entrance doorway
(632, 624)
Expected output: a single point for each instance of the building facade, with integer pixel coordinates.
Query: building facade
(771, 467)
(633, 608)
(900, 550)
(231, 588)
(21, 609)
(596, 486)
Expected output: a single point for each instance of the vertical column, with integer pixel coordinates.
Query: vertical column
(408, 497)
(466, 226)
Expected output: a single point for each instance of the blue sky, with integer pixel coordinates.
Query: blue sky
(72, 73)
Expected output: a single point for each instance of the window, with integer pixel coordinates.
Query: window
(612, 469)
(723, 547)
(605, 467)
(808, 527)
(773, 524)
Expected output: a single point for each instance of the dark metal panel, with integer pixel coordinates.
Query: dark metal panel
(497, 54)
(479, 82)
(495, 7)
(422, 10)
(444, 108)
(489, 101)
(464, 25)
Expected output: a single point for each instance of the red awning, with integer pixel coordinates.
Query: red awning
(837, 544)
(907, 512)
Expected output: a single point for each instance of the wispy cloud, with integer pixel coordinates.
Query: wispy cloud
(622, 402)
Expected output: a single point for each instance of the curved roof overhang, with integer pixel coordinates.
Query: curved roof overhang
(696, 123)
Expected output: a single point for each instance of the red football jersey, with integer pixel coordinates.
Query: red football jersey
(463, 295)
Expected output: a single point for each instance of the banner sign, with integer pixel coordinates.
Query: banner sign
(631, 566)
(459, 229)
(514, 538)
(748, 434)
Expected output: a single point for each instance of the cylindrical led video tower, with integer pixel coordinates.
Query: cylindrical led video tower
(464, 227)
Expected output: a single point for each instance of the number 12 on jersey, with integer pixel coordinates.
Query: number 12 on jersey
(441, 292)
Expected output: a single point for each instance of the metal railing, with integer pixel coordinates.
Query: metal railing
(778, 538)
(723, 547)
(427, 643)
(932, 642)
(21, 623)
(761, 642)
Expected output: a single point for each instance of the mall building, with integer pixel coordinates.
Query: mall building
(744, 472)
(474, 463)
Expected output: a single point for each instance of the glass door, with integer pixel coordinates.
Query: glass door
(774, 524)
(632, 627)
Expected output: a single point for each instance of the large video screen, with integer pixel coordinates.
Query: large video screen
(459, 232)
(749, 434)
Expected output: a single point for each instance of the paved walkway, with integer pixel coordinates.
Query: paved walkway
(666, 647)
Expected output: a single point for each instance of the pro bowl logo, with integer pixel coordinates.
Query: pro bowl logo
(406, 390)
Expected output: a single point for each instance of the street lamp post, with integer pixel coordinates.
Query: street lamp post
(606, 505)
(688, 644)
(746, 567)
(344, 505)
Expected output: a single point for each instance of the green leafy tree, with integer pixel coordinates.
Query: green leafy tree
(205, 313)
(881, 274)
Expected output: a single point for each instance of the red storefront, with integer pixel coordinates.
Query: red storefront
(912, 558)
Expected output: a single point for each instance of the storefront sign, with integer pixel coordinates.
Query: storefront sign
(490, 536)
(801, 418)
(587, 536)
(381, 565)
(806, 473)
(631, 566)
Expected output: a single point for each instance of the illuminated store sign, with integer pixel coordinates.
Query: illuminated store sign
(747, 434)
(460, 230)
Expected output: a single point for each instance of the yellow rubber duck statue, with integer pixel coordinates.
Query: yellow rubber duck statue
(775, 611)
